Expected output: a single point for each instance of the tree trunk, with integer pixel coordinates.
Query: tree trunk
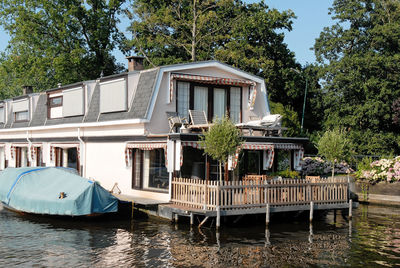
(220, 171)
(194, 29)
(333, 169)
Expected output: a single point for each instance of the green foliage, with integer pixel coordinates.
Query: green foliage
(57, 42)
(221, 140)
(359, 68)
(287, 174)
(364, 164)
(290, 118)
(334, 146)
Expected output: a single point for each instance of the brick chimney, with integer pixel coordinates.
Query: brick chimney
(27, 90)
(135, 63)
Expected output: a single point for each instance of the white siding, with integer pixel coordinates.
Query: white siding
(2, 115)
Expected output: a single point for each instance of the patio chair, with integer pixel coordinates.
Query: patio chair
(175, 121)
(198, 119)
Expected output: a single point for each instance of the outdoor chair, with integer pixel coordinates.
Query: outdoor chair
(175, 121)
(198, 119)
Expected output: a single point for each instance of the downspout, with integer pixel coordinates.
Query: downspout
(28, 151)
(82, 153)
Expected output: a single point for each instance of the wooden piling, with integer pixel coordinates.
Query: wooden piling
(267, 215)
(133, 207)
(218, 223)
(191, 218)
(350, 208)
(176, 217)
(311, 210)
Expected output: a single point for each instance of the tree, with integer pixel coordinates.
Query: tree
(58, 41)
(289, 120)
(176, 31)
(247, 36)
(358, 59)
(334, 146)
(221, 141)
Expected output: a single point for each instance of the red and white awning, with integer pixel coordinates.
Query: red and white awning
(194, 144)
(147, 146)
(213, 80)
(288, 146)
(257, 146)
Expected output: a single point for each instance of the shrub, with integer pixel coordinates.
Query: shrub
(380, 170)
(318, 166)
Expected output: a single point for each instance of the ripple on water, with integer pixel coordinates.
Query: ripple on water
(374, 240)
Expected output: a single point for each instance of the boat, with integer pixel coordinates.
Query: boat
(53, 191)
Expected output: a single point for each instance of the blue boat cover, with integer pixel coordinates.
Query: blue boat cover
(39, 190)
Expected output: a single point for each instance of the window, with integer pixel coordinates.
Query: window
(149, 170)
(2, 115)
(214, 100)
(219, 103)
(113, 96)
(201, 99)
(21, 116)
(54, 106)
(21, 110)
(235, 105)
(73, 102)
(67, 157)
(183, 99)
(21, 157)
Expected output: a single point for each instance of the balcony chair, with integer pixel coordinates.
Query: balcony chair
(175, 121)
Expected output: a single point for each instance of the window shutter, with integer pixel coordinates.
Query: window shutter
(20, 106)
(73, 103)
(113, 96)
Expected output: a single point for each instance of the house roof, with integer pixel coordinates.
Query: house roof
(142, 102)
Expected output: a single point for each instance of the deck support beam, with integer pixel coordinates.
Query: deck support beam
(204, 221)
(311, 210)
(350, 209)
(191, 218)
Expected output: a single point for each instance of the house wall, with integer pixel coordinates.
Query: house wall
(159, 121)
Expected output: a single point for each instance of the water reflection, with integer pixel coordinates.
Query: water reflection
(372, 238)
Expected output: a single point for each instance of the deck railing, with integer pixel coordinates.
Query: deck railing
(200, 194)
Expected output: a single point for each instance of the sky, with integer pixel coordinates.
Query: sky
(312, 17)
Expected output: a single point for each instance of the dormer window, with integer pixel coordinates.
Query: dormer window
(2, 114)
(113, 96)
(21, 110)
(69, 102)
(54, 105)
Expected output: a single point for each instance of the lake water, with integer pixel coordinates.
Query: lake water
(372, 239)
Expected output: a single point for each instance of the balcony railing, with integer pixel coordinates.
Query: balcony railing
(208, 195)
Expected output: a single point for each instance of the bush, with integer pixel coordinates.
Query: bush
(318, 166)
(380, 170)
(287, 174)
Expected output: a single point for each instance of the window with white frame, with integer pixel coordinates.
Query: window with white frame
(183, 99)
(219, 103)
(113, 96)
(235, 105)
(201, 98)
(55, 105)
(21, 110)
(2, 114)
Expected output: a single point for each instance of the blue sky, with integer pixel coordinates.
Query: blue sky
(312, 17)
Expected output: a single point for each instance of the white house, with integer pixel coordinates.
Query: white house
(115, 129)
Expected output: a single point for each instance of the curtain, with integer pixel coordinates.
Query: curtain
(201, 99)
(219, 102)
(183, 99)
(235, 105)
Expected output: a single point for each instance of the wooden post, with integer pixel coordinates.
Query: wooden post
(267, 215)
(133, 207)
(311, 210)
(176, 217)
(218, 223)
(191, 218)
(350, 209)
(205, 196)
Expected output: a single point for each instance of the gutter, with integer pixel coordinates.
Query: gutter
(82, 152)
(29, 147)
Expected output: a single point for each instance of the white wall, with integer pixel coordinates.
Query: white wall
(110, 168)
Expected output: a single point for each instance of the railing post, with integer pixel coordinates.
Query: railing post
(205, 195)
(267, 215)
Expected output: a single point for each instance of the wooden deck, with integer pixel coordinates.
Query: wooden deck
(257, 195)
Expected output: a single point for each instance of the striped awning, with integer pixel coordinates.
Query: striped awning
(213, 80)
(257, 146)
(193, 144)
(288, 146)
(146, 146)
